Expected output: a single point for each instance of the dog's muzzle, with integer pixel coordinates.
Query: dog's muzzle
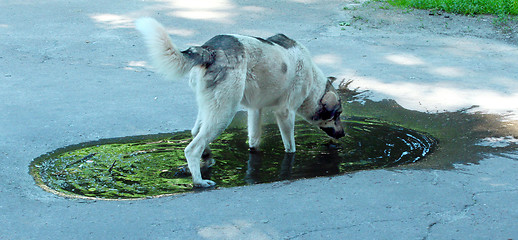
(332, 132)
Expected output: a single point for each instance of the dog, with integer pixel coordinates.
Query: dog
(232, 70)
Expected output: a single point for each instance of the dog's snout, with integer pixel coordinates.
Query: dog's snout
(335, 130)
(339, 134)
(332, 132)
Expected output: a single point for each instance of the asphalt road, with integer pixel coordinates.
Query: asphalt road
(75, 71)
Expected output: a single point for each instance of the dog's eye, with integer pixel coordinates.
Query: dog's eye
(328, 117)
(327, 123)
(336, 115)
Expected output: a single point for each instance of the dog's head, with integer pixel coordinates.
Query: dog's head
(327, 116)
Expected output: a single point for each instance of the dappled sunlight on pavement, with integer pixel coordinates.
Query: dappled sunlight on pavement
(217, 11)
(440, 97)
(113, 20)
(213, 10)
(438, 74)
(238, 229)
(404, 59)
(77, 71)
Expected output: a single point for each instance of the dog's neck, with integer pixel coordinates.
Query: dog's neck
(312, 102)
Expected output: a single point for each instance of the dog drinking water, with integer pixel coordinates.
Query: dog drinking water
(232, 70)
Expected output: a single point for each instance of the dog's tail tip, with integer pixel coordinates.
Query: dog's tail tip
(146, 25)
(165, 57)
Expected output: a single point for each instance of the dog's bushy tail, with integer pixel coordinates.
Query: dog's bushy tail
(165, 57)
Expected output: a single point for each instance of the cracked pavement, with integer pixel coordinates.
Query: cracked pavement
(76, 71)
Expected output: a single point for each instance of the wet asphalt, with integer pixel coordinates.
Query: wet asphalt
(75, 71)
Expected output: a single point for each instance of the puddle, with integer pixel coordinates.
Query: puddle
(150, 166)
(135, 167)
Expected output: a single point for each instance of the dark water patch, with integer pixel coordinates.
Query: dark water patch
(461, 133)
(142, 166)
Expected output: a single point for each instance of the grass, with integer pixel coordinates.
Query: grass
(467, 7)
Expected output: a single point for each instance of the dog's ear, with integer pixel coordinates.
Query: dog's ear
(330, 100)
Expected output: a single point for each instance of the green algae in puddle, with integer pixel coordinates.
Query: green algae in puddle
(137, 167)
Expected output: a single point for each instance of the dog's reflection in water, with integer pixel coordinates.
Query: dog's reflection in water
(255, 159)
(289, 168)
(323, 165)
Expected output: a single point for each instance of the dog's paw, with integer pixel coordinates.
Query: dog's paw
(205, 184)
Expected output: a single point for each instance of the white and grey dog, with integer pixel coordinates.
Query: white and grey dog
(229, 70)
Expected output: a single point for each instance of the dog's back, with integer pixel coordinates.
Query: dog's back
(277, 67)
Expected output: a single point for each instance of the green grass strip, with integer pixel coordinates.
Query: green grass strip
(468, 7)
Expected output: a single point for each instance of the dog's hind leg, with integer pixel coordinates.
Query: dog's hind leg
(199, 145)
(206, 157)
(197, 124)
(218, 105)
(286, 121)
(193, 153)
(254, 129)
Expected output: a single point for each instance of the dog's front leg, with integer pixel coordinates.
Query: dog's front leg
(254, 129)
(286, 121)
